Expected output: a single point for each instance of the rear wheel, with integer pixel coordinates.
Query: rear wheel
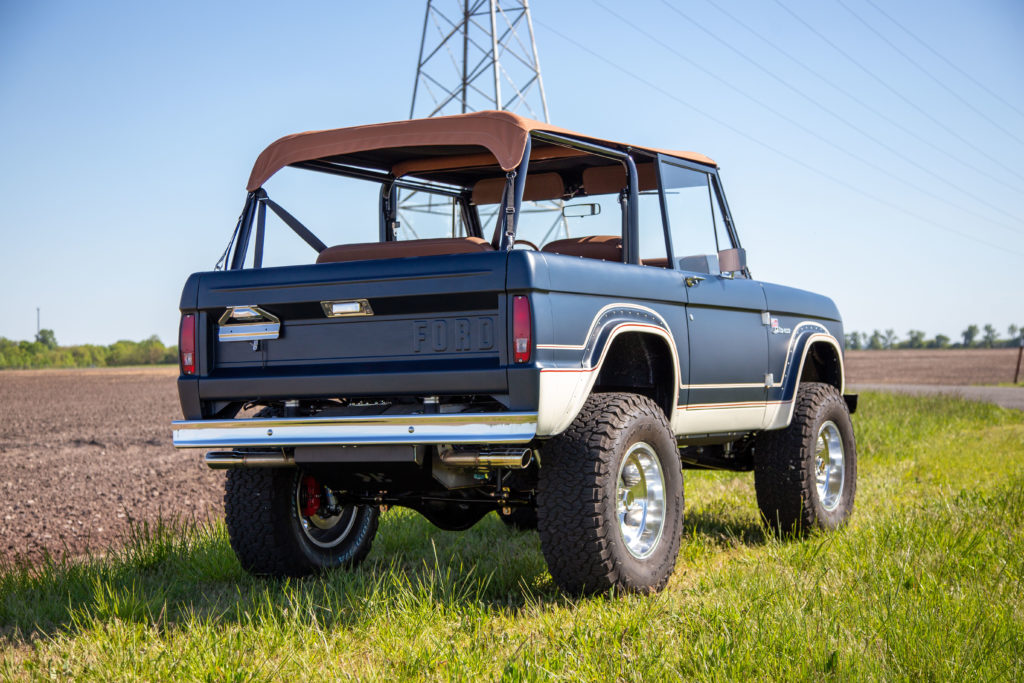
(610, 498)
(284, 522)
(805, 475)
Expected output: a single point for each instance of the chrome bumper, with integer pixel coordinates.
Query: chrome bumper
(454, 428)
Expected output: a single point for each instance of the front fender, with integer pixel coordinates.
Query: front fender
(782, 395)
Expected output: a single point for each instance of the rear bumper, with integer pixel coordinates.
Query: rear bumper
(455, 428)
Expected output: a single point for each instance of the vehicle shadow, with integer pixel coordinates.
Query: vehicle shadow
(177, 572)
(723, 529)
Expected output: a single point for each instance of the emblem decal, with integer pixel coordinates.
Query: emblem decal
(779, 330)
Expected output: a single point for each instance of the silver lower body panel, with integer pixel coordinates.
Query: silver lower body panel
(454, 428)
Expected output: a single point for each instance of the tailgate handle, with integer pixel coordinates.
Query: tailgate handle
(247, 323)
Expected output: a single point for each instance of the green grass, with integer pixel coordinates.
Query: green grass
(924, 584)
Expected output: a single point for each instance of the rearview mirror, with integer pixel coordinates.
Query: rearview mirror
(580, 210)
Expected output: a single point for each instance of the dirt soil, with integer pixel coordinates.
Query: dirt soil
(923, 366)
(81, 451)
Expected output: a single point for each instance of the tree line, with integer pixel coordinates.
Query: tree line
(45, 352)
(973, 337)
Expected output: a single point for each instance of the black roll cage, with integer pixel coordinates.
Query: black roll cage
(257, 201)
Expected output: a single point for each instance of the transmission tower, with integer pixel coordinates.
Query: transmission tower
(474, 55)
(478, 54)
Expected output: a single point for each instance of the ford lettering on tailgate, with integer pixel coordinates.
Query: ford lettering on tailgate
(460, 334)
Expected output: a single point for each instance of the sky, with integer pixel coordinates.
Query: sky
(883, 169)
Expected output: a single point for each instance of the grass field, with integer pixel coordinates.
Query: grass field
(925, 583)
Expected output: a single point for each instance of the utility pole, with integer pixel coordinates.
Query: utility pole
(475, 55)
(38, 329)
(1020, 355)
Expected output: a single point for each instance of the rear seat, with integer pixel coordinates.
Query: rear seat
(369, 251)
(601, 247)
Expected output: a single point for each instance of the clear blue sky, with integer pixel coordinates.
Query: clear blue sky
(128, 129)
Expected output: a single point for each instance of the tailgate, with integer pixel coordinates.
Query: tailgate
(434, 325)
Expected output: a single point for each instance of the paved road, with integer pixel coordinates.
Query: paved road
(1008, 397)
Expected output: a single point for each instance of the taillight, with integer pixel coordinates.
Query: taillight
(187, 344)
(522, 341)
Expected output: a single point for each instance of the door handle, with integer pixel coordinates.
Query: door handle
(693, 280)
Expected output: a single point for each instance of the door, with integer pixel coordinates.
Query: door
(727, 334)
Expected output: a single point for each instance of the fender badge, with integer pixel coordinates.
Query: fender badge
(779, 330)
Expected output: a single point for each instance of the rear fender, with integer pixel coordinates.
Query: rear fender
(564, 390)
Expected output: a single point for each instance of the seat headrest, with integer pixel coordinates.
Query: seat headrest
(539, 186)
(609, 179)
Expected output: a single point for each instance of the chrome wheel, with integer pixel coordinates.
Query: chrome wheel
(640, 500)
(324, 523)
(829, 469)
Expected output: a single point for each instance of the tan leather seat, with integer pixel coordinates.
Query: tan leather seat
(369, 251)
(601, 247)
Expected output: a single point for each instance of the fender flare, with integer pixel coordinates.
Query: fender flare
(563, 391)
(806, 335)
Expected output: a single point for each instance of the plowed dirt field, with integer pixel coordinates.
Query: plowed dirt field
(925, 366)
(82, 451)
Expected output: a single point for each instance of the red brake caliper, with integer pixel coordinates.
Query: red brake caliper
(309, 496)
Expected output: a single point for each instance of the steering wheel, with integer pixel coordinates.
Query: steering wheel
(528, 243)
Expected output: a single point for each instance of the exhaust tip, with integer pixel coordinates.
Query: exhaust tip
(222, 460)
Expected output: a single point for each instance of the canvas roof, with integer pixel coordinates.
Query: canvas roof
(419, 146)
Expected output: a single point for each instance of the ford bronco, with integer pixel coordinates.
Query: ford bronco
(512, 317)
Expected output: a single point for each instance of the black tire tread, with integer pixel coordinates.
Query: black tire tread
(257, 510)
(257, 531)
(784, 482)
(571, 500)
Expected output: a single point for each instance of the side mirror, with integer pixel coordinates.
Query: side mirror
(732, 260)
(581, 210)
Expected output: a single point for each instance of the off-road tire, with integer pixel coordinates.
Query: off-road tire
(265, 530)
(785, 460)
(521, 519)
(577, 513)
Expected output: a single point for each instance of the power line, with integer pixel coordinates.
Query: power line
(897, 93)
(944, 59)
(839, 118)
(770, 148)
(864, 105)
(928, 73)
(880, 169)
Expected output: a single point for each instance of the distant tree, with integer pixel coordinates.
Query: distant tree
(941, 341)
(853, 341)
(877, 341)
(890, 338)
(990, 337)
(915, 339)
(969, 335)
(47, 338)
(1014, 332)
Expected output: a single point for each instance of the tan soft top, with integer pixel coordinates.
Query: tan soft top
(503, 134)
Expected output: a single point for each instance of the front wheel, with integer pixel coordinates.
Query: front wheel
(805, 475)
(610, 498)
(284, 522)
